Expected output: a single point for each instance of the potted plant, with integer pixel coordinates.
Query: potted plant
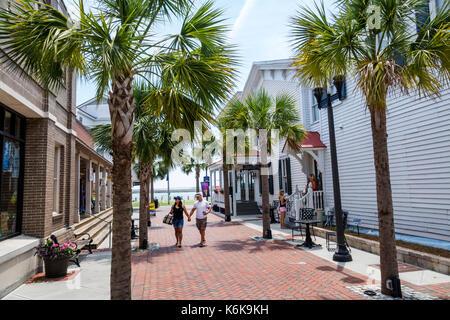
(56, 256)
(222, 191)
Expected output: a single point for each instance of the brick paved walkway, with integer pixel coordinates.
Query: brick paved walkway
(235, 267)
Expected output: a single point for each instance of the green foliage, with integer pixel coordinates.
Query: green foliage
(191, 72)
(395, 56)
(261, 111)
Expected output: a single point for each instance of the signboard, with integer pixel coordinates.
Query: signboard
(205, 189)
(206, 179)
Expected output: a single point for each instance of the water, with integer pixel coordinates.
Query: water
(162, 197)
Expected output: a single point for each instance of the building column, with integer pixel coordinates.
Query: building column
(76, 218)
(108, 190)
(97, 189)
(257, 191)
(247, 181)
(88, 187)
(233, 181)
(238, 189)
(103, 190)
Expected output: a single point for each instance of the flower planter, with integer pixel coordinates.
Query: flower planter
(56, 268)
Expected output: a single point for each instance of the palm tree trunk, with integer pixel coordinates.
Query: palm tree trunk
(226, 188)
(144, 173)
(388, 250)
(267, 233)
(149, 198)
(152, 188)
(121, 106)
(197, 178)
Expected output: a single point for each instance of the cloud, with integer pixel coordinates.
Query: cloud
(248, 5)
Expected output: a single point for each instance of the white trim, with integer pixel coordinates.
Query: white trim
(24, 101)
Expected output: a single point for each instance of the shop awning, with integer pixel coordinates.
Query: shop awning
(311, 141)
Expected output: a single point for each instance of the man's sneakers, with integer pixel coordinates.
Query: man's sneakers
(202, 244)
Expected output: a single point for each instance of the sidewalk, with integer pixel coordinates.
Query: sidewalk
(236, 267)
(233, 267)
(90, 282)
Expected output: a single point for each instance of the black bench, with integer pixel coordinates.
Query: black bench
(80, 245)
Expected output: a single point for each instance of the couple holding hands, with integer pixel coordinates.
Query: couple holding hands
(202, 207)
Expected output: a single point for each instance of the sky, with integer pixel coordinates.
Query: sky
(259, 29)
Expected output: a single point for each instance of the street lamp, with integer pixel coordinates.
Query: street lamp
(342, 254)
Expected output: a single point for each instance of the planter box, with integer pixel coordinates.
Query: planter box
(417, 258)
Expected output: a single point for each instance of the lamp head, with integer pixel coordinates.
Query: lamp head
(338, 82)
(318, 94)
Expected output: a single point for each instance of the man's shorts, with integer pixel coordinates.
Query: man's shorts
(201, 224)
(178, 223)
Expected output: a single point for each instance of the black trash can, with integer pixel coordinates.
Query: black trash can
(156, 204)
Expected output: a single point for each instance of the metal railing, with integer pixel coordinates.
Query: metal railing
(313, 199)
(110, 227)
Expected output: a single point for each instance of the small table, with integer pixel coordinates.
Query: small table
(308, 243)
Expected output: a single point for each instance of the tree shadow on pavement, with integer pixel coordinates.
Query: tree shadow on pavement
(340, 269)
(250, 245)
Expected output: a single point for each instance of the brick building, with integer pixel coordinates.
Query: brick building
(49, 172)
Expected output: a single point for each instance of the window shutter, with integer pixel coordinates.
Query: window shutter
(422, 14)
(271, 191)
(289, 179)
(280, 174)
(344, 89)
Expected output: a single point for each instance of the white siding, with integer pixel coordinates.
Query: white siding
(419, 151)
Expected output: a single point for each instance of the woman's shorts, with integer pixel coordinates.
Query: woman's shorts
(178, 223)
(201, 224)
(282, 209)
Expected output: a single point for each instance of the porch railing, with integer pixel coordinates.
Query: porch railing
(314, 199)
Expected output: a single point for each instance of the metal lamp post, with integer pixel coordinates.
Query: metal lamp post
(342, 254)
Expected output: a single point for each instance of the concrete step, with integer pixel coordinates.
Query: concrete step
(101, 237)
(89, 223)
(97, 231)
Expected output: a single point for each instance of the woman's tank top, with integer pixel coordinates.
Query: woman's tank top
(178, 213)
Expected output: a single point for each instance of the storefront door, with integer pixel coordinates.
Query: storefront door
(12, 135)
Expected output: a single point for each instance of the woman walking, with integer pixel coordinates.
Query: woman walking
(178, 220)
(283, 203)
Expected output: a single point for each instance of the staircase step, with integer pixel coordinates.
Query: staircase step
(91, 222)
(99, 227)
(101, 237)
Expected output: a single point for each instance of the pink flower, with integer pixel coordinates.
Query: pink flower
(55, 245)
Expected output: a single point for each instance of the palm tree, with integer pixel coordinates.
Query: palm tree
(112, 45)
(196, 167)
(152, 137)
(263, 112)
(390, 57)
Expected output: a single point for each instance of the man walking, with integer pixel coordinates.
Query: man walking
(203, 208)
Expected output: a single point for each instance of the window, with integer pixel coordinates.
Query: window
(422, 15)
(12, 134)
(57, 179)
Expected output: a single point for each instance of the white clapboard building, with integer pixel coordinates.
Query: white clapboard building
(419, 151)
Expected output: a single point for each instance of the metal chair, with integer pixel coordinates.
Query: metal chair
(295, 226)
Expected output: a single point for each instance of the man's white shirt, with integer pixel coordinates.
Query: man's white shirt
(201, 207)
